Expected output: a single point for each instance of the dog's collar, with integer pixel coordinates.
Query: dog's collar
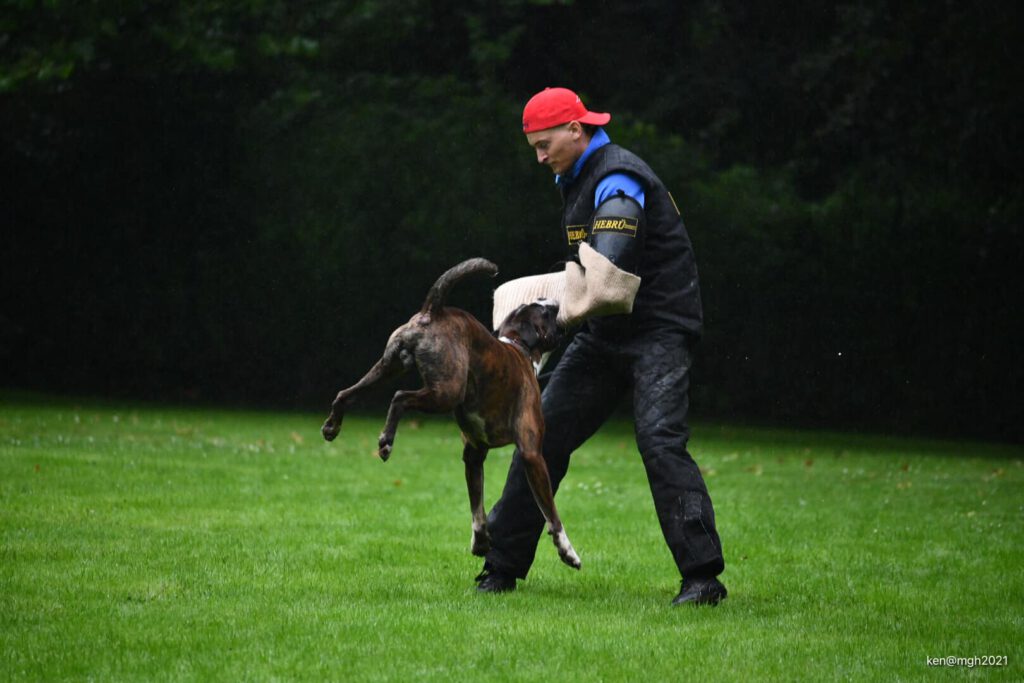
(537, 365)
(516, 343)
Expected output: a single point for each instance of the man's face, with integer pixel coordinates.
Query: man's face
(558, 148)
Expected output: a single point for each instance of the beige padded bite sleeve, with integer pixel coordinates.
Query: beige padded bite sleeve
(595, 286)
(525, 290)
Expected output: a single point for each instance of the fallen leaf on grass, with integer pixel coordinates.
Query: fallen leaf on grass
(998, 472)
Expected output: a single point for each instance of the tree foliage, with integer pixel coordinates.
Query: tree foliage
(238, 201)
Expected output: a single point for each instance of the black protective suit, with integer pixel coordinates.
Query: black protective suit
(648, 351)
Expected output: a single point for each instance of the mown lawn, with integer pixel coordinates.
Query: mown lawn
(150, 543)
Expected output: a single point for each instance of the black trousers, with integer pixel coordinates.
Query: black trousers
(593, 374)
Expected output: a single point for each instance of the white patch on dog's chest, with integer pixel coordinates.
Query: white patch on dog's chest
(538, 365)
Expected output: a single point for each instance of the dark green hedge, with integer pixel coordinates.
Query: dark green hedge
(225, 203)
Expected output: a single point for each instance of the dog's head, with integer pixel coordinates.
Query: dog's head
(533, 325)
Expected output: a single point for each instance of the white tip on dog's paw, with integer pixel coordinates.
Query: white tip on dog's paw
(572, 559)
(565, 550)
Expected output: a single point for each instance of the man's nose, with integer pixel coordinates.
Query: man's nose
(542, 157)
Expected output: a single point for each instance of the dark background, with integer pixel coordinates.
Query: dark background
(220, 202)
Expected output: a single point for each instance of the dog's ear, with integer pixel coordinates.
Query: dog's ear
(508, 319)
(527, 331)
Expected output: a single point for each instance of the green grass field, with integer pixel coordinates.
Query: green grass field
(148, 543)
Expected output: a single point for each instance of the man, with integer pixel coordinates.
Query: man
(631, 283)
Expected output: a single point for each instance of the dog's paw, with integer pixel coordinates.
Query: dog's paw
(384, 448)
(571, 559)
(330, 430)
(565, 550)
(481, 543)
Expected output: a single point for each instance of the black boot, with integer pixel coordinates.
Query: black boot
(494, 581)
(700, 591)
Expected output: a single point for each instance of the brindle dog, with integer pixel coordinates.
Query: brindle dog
(488, 381)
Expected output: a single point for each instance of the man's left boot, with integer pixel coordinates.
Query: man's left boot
(700, 591)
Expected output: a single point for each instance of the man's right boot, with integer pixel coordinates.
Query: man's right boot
(495, 581)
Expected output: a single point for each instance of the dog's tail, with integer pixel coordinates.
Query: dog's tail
(437, 293)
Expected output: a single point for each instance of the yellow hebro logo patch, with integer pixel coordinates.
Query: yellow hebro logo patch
(623, 225)
(576, 233)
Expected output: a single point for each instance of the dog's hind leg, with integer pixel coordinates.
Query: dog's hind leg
(427, 399)
(473, 457)
(393, 363)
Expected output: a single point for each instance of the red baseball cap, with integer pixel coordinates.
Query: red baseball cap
(554, 106)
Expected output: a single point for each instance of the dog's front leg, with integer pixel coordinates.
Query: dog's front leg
(540, 484)
(473, 457)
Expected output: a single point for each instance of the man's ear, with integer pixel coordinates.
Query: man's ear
(576, 130)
